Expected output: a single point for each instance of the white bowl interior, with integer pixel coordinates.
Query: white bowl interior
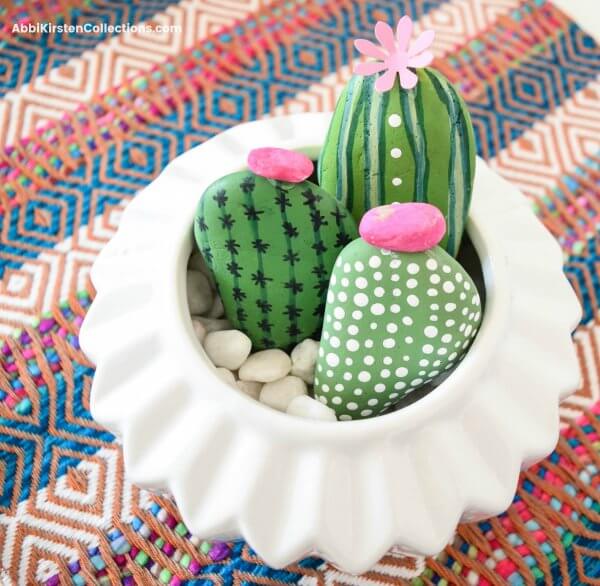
(487, 275)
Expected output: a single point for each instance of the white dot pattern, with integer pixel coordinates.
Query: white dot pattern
(392, 322)
(395, 120)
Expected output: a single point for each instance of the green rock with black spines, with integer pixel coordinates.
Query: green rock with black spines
(271, 246)
(402, 145)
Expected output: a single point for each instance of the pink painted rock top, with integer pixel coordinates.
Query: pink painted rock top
(403, 227)
(280, 164)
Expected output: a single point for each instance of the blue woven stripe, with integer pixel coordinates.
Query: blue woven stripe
(60, 434)
(489, 113)
(533, 88)
(237, 565)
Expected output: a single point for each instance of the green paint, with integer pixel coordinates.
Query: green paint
(368, 151)
(412, 109)
(290, 249)
(393, 322)
(452, 190)
(270, 246)
(435, 138)
(352, 132)
(377, 197)
(342, 155)
(141, 558)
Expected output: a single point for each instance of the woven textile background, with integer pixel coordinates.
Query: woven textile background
(87, 120)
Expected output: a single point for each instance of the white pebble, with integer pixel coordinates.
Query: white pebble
(304, 358)
(226, 376)
(250, 388)
(199, 330)
(279, 393)
(266, 366)
(228, 348)
(199, 293)
(305, 406)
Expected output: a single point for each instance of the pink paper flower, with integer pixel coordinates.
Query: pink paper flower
(395, 55)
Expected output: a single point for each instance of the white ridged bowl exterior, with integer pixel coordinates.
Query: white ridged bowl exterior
(347, 491)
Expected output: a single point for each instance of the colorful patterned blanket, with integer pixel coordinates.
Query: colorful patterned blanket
(88, 117)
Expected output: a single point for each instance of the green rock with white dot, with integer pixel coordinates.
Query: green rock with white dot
(402, 145)
(394, 321)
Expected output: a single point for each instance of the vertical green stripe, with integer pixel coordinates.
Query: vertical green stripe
(204, 235)
(291, 268)
(317, 238)
(256, 235)
(461, 168)
(383, 147)
(329, 137)
(370, 195)
(355, 106)
(459, 155)
(454, 216)
(236, 280)
(421, 140)
(342, 172)
(467, 142)
(416, 139)
(367, 145)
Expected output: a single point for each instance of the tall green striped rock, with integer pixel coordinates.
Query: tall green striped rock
(271, 246)
(402, 145)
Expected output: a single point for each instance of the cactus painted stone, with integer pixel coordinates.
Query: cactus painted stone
(402, 145)
(394, 320)
(271, 246)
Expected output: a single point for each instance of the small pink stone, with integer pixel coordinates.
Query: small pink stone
(280, 164)
(403, 227)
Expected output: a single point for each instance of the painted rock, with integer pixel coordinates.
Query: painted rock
(402, 145)
(394, 320)
(271, 246)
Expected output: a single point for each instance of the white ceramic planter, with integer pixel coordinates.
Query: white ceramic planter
(289, 486)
